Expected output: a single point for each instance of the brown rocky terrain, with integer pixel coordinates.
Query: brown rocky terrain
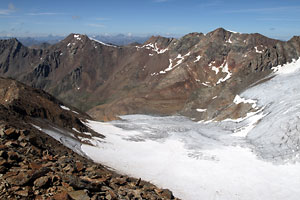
(162, 76)
(34, 165)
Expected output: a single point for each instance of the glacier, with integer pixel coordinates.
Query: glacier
(252, 158)
(256, 157)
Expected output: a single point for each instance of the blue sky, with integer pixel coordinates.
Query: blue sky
(274, 18)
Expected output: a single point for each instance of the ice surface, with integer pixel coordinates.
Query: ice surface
(194, 160)
(287, 68)
(277, 136)
(64, 137)
(256, 157)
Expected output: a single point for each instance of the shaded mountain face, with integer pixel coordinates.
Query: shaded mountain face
(197, 75)
(31, 105)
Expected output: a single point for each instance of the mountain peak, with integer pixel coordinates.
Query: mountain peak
(76, 36)
(162, 42)
(12, 41)
(157, 38)
(295, 39)
(219, 34)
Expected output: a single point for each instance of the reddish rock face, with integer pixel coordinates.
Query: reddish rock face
(162, 76)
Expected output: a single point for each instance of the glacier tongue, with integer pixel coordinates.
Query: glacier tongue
(277, 136)
(253, 158)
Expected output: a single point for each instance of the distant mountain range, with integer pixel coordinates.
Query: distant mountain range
(198, 75)
(119, 39)
(35, 41)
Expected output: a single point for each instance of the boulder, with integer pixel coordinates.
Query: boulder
(79, 195)
(23, 193)
(43, 181)
(12, 133)
(62, 196)
(21, 179)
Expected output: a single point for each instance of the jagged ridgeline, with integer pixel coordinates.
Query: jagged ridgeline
(162, 76)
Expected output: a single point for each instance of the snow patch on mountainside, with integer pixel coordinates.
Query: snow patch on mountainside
(229, 40)
(257, 51)
(109, 45)
(179, 59)
(65, 107)
(225, 69)
(153, 47)
(238, 100)
(197, 59)
(215, 69)
(206, 84)
(77, 37)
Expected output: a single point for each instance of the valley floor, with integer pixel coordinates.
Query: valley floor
(181, 157)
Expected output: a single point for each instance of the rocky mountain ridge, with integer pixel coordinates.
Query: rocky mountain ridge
(198, 75)
(34, 165)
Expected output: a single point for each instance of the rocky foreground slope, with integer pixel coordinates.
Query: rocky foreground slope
(198, 75)
(33, 165)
